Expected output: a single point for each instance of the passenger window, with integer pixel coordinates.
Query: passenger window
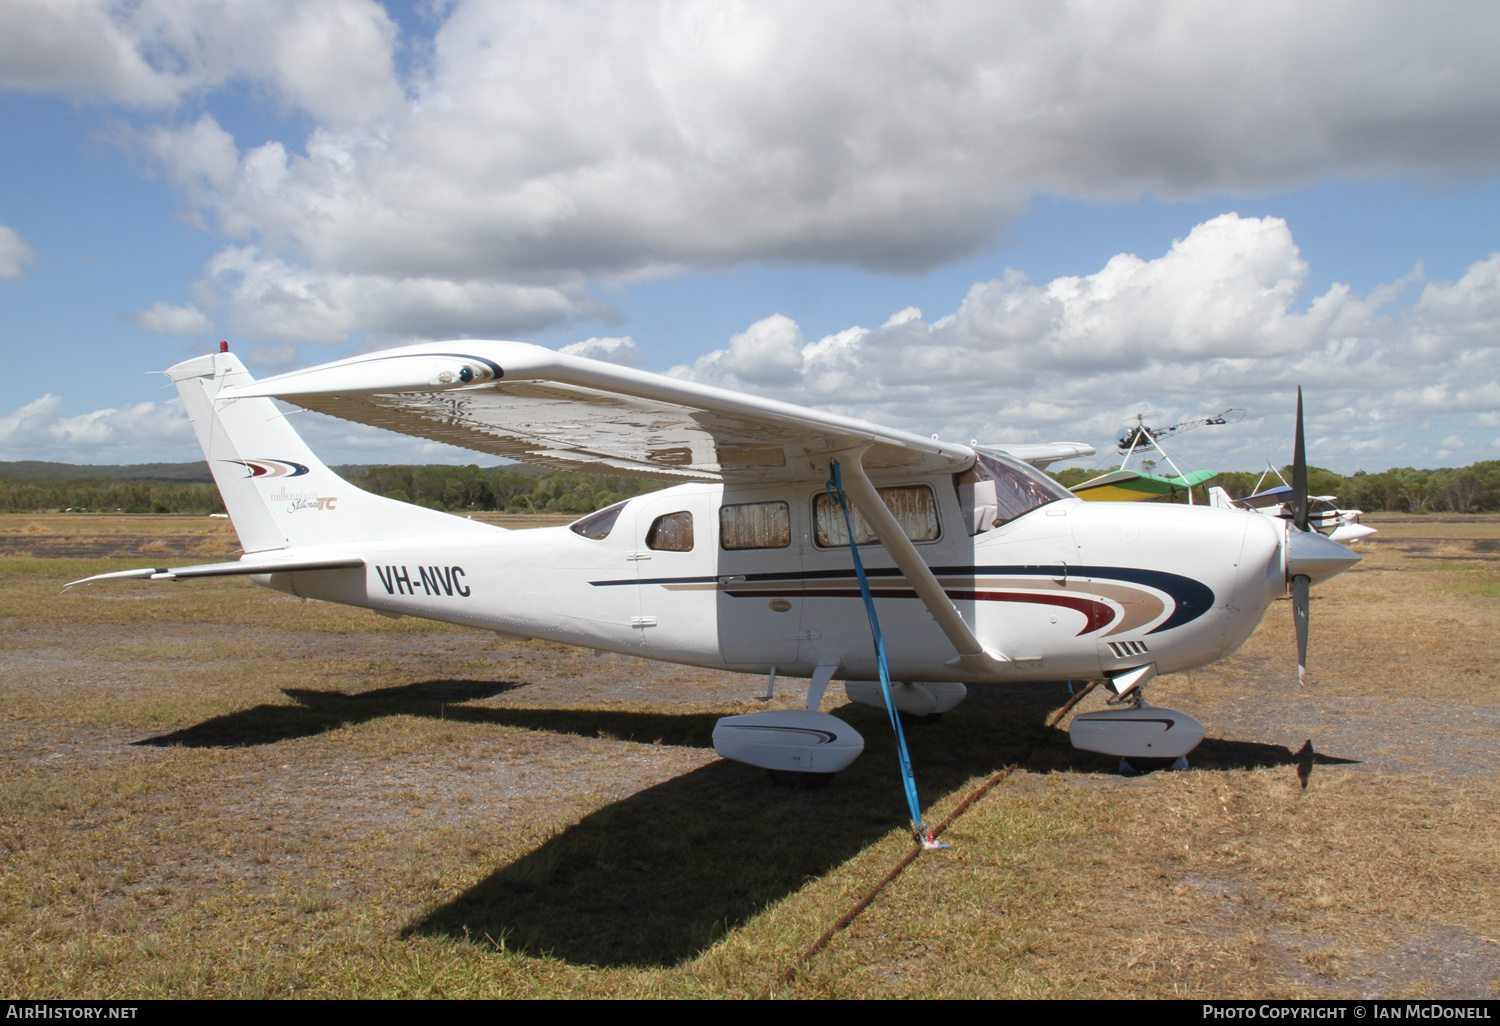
(671, 533)
(914, 507)
(755, 525)
(597, 526)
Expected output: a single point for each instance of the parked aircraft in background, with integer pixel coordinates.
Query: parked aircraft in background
(1342, 525)
(1133, 486)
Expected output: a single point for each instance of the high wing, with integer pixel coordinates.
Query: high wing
(529, 403)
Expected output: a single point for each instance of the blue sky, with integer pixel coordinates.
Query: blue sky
(1011, 222)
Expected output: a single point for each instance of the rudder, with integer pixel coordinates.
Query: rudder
(277, 492)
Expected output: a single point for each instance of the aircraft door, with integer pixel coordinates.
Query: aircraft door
(673, 549)
(758, 538)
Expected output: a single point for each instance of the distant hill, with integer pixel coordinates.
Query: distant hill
(38, 472)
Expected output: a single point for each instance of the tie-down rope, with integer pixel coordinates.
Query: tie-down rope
(908, 780)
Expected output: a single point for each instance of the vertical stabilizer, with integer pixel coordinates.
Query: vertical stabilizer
(279, 494)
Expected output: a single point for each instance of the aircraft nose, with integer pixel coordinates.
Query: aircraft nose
(1315, 557)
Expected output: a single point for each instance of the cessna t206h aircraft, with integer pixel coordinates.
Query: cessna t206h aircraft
(981, 569)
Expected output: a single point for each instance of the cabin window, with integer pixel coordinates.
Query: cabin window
(672, 532)
(598, 525)
(998, 489)
(755, 525)
(913, 506)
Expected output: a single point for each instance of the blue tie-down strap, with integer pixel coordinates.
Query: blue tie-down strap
(908, 780)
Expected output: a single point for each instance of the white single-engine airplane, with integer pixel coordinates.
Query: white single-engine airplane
(985, 571)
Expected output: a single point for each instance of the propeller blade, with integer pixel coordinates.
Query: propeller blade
(1299, 472)
(1301, 598)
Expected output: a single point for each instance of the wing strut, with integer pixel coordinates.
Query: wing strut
(908, 779)
(972, 655)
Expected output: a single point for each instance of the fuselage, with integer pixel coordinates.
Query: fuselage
(751, 578)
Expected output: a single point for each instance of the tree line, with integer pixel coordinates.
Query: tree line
(519, 489)
(454, 489)
(506, 488)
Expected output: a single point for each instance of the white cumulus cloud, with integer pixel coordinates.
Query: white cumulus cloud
(530, 151)
(332, 59)
(277, 300)
(39, 431)
(544, 145)
(15, 254)
(1218, 320)
(621, 350)
(173, 320)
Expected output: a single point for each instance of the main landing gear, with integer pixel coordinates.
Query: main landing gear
(804, 748)
(801, 748)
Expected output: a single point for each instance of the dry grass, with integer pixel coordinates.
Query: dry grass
(217, 791)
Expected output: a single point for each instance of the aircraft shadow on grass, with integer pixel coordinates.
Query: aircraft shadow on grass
(317, 712)
(656, 878)
(320, 711)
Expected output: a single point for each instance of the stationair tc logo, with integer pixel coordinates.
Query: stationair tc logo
(265, 469)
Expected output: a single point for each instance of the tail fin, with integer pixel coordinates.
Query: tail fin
(1218, 498)
(277, 492)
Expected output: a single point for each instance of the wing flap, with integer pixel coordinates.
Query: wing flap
(1040, 454)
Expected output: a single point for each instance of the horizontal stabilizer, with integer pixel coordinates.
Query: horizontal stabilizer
(239, 568)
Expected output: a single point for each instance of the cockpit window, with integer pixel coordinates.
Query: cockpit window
(671, 533)
(598, 525)
(998, 489)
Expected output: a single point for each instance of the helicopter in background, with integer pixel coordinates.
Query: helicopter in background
(1122, 485)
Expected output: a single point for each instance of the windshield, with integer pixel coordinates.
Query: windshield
(998, 489)
(598, 525)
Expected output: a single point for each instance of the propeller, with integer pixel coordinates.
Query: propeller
(1299, 472)
(1310, 558)
(1301, 583)
(1301, 599)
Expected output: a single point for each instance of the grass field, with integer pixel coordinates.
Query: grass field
(213, 790)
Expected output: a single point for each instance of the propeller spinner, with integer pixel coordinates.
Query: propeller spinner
(1310, 557)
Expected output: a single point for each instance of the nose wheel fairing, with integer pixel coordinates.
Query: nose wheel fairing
(1137, 732)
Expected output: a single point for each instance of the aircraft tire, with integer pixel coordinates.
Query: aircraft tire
(912, 720)
(801, 781)
(1141, 765)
